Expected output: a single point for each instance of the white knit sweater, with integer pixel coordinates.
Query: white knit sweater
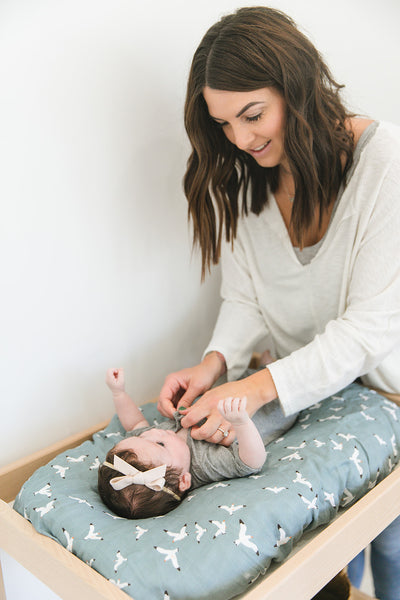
(337, 317)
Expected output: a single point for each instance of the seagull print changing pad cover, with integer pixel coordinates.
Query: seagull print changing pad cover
(337, 450)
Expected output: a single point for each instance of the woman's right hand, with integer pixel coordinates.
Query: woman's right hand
(184, 386)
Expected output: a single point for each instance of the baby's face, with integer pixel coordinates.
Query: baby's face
(159, 447)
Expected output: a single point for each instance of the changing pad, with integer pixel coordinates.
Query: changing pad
(223, 535)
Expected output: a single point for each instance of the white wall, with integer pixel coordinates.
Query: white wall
(95, 256)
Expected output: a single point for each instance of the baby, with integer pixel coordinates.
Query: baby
(150, 471)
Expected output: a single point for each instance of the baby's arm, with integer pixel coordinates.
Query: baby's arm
(127, 411)
(251, 447)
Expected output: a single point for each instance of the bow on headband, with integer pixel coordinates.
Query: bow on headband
(153, 478)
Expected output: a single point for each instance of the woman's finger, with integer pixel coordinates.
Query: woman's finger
(224, 436)
(208, 428)
(227, 441)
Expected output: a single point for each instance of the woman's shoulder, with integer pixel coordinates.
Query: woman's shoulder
(378, 141)
(358, 125)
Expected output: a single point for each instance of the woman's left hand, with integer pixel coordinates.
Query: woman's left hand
(259, 389)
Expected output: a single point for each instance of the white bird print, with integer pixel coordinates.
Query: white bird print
(45, 491)
(304, 426)
(90, 562)
(283, 538)
(221, 528)
(95, 464)
(177, 537)
(331, 418)
(330, 497)
(390, 464)
(311, 504)
(200, 531)
(357, 461)
(301, 479)
(293, 456)
(81, 501)
(190, 497)
(302, 445)
(347, 497)
(391, 411)
(69, 538)
(336, 445)
(60, 470)
(119, 560)
(92, 535)
(43, 510)
(119, 584)
(380, 440)
(169, 555)
(364, 406)
(275, 489)
(112, 516)
(347, 436)
(394, 446)
(279, 440)
(336, 408)
(364, 397)
(115, 434)
(232, 508)
(244, 538)
(305, 418)
(367, 417)
(218, 484)
(166, 595)
(315, 406)
(76, 460)
(256, 476)
(318, 443)
(372, 483)
(338, 398)
(140, 531)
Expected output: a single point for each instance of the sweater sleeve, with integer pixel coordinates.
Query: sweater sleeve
(369, 328)
(240, 324)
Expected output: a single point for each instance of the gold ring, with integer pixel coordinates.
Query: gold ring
(224, 433)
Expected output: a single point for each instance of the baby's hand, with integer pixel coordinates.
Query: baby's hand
(234, 410)
(115, 379)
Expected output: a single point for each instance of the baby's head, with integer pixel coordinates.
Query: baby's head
(152, 448)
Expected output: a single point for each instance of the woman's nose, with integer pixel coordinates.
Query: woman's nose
(242, 136)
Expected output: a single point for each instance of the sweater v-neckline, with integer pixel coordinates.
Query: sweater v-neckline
(334, 219)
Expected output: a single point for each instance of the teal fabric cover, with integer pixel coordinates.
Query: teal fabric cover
(223, 535)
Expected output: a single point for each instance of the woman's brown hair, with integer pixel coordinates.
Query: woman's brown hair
(137, 501)
(248, 50)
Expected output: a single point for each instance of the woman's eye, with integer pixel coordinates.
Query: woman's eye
(161, 443)
(220, 124)
(253, 119)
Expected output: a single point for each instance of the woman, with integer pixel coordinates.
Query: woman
(300, 200)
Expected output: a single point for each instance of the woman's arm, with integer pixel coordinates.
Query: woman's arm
(258, 388)
(367, 331)
(240, 326)
(127, 411)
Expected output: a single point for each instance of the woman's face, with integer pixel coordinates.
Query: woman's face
(252, 121)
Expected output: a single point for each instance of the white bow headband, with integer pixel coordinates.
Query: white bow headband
(154, 478)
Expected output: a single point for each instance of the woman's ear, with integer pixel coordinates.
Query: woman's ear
(185, 481)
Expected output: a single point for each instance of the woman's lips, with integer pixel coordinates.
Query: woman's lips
(260, 149)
